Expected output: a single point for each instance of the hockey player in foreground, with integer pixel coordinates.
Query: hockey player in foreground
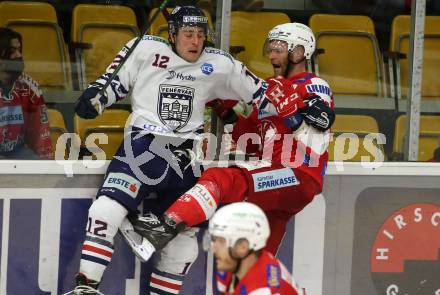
(170, 83)
(237, 235)
(292, 151)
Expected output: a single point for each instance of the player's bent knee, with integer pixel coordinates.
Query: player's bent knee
(179, 254)
(105, 217)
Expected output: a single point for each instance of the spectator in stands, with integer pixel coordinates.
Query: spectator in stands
(24, 125)
(238, 233)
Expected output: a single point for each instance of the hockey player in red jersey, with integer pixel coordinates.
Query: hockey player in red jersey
(24, 124)
(292, 148)
(237, 235)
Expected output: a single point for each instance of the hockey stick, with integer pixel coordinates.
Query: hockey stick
(129, 52)
(166, 14)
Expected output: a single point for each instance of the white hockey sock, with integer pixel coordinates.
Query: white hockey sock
(163, 283)
(105, 217)
(174, 262)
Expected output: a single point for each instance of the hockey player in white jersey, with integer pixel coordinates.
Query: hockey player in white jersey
(170, 82)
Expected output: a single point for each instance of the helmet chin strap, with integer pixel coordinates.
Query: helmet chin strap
(291, 64)
(239, 260)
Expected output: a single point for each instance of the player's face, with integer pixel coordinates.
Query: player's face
(15, 48)
(279, 57)
(189, 43)
(12, 67)
(224, 261)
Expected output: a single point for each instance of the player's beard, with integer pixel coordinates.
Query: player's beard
(13, 68)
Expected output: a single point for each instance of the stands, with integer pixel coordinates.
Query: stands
(350, 60)
(44, 51)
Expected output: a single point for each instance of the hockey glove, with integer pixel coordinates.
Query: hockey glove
(318, 114)
(223, 109)
(90, 104)
(285, 99)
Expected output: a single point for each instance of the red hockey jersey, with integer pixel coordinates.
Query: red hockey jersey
(306, 148)
(267, 276)
(24, 119)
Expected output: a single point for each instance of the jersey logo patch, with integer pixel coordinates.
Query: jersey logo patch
(319, 88)
(11, 115)
(175, 105)
(273, 273)
(274, 179)
(207, 68)
(175, 75)
(123, 182)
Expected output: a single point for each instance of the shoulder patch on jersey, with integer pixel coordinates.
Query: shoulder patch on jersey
(219, 52)
(243, 290)
(318, 85)
(207, 68)
(319, 88)
(273, 275)
(155, 38)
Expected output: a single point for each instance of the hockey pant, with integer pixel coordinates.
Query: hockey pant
(129, 179)
(281, 192)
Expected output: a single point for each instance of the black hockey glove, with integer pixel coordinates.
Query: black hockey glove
(318, 114)
(87, 104)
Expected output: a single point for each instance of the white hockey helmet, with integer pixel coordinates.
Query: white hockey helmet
(294, 34)
(240, 221)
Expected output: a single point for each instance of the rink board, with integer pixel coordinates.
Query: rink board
(331, 246)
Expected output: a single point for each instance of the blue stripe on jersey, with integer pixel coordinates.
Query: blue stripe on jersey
(118, 89)
(260, 91)
(94, 259)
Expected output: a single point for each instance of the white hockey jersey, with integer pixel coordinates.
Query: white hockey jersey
(168, 94)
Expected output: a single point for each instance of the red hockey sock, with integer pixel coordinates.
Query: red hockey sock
(196, 205)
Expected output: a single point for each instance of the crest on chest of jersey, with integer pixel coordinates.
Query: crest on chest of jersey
(175, 105)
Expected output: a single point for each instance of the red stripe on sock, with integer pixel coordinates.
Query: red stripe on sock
(97, 250)
(165, 284)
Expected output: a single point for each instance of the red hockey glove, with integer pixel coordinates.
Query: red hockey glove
(223, 109)
(285, 99)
